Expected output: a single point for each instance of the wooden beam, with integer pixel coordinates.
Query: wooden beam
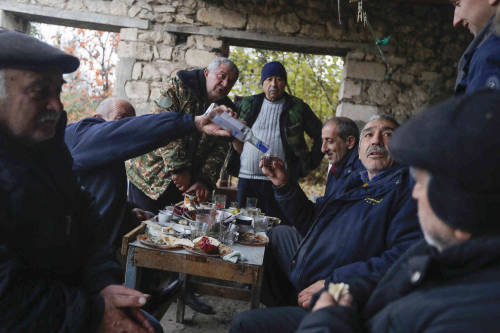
(87, 20)
(269, 41)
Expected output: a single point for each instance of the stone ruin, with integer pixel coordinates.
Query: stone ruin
(159, 37)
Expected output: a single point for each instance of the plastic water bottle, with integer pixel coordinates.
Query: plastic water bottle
(239, 130)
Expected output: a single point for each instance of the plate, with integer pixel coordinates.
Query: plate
(143, 239)
(253, 240)
(224, 248)
(200, 252)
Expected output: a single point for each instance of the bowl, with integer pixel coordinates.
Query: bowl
(244, 223)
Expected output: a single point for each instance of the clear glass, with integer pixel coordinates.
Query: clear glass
(251, 202)
(165, 215)
(220, 201)
(260, 223)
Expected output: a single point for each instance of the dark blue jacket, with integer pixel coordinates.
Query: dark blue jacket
(457, 290)
(336, 182)
(479, 66)
(360, 232)
(100, 148)
(51, 265)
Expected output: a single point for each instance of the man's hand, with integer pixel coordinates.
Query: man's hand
(141, 215)
(182, 180)
(277, 173)
(121, 310)
(304, 298)
(205, 125)
(237, 145)
(325, 299)
(202, 192)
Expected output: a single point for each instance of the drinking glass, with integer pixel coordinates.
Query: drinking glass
(251, 202)
(220, 201)
(260, 223)
(165, 215)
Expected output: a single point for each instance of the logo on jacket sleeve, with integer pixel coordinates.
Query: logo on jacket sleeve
(373, 201)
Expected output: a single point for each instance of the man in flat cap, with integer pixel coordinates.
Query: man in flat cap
(55, 276)
(279, 120)
(479, 66)
(451, 281)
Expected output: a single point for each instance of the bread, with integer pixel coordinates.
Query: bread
(337, 290)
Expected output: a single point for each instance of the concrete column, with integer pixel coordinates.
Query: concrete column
(13, 22)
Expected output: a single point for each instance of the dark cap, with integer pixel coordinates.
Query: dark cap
(458, 142)
(18, 50)
(273, 68)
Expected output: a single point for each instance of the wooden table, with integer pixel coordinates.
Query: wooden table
(186, 263)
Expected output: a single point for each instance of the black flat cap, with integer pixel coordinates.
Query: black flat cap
(18, 50)
(458, 142)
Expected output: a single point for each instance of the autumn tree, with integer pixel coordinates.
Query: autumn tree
(93, 81)
(313, 78)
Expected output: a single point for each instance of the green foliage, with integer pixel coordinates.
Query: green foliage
(313, 78)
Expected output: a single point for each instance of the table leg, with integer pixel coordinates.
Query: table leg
(180, 299)
(130, 269)
(256, 288)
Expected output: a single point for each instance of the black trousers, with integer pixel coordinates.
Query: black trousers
(277, 290)
(270, 320)
(170, 196)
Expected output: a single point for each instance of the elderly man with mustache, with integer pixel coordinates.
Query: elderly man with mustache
(358, 233)
(280, 120)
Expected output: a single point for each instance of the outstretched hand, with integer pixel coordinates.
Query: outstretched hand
(205, 125)
(275, 171)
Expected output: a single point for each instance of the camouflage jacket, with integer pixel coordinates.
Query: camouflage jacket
(202, 155)
(296, 119)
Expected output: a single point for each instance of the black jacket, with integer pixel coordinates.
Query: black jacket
(457, 290)
(52, 267)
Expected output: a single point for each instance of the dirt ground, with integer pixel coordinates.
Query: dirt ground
(200, 323)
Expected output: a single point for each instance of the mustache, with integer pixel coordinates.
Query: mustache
(376, 149)
(48, 115)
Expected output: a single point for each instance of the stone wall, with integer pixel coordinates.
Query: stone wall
(421, 55)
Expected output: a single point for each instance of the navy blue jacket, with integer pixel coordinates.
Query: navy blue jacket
(457, 290)
(479, 66)
(51, 266)
(360, 232)
(100, 148)
(336, 182)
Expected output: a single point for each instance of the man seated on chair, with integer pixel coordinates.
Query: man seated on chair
(359, 232)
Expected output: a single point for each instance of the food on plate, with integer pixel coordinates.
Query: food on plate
(159, 240)
(211, 245)
(184, 243)
(338, 290)
(252, 238)
(207, 244)
(224, 250)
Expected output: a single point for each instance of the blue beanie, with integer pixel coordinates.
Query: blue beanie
(273, 68)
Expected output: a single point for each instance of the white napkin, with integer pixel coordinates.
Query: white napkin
(233, 257)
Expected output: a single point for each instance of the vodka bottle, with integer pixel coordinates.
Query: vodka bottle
(239, 130)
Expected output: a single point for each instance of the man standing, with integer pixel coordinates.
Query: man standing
(100, 145)
(279, 120)
(479, 66)
(193, 162)
(56, 276)
(451, 281)
(340, 145)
